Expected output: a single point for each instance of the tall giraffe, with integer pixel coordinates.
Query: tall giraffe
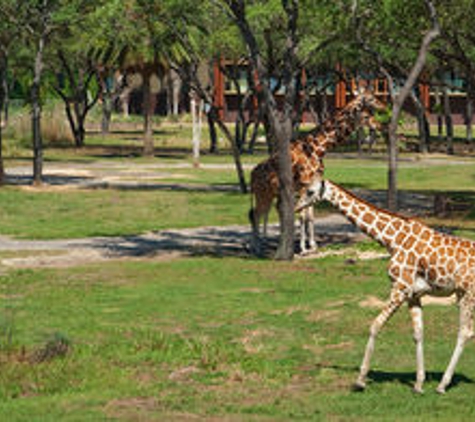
(423, 262)
(306, 156)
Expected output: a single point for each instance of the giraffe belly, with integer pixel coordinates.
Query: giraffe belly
(443, 286)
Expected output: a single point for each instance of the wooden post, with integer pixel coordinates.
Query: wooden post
(425, 95)
(340, 91)
(196, 114)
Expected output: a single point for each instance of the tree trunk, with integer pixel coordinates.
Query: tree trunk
(469, 118)
(148, 148)
(3, 73)
(448, 122)
(360, 133)
(107, 104)
(36, 115)
(270, 139)
(81, 131)
(213, 136)
(422, 123)
(175, 87)
(398, 102)
(255, 132)
(392, 165)
(285, 206)
(124, 101)
(235, 151)
(440, 123)
(324, 109)
(239, 133)
(106, 114)
(6, 93)
(79, 106)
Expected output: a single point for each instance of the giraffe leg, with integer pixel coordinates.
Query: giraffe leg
(303, 231)
(266, 220)
(397, 298)
(310, 227)
(255, 245)
(467, 304)
(307, 233)
(261, 210)
(416, 313)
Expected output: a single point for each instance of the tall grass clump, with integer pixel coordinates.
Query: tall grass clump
(55, 129)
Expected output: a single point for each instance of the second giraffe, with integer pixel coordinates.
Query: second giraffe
(307, 161)
(423, 262)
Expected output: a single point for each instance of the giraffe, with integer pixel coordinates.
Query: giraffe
(423, 262)
(307, 160)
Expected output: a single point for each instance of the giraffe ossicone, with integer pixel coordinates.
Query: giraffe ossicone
(423, 262)
(307, 162)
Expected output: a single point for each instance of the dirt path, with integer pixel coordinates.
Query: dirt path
(164, 244)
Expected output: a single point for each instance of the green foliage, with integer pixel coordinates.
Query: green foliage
(383, 117)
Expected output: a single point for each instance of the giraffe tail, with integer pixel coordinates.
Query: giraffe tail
(252, 211)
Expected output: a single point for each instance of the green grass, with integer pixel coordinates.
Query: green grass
(72, 214)
(427, 174)
(254, 340)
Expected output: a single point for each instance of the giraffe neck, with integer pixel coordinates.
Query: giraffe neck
(329, 136)
(387, 228)
(338, 128)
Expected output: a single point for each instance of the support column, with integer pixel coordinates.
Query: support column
(340, 91)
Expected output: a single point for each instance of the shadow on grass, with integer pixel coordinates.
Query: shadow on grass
(404, 378)
(92, 183)
(408, 378)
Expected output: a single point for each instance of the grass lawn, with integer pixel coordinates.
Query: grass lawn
(226, 338)
(206, 337)
(110, 212)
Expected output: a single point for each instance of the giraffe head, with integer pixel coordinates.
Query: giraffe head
(317, 191)
(367, 107)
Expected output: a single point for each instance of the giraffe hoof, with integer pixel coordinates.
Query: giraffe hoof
(418, 390)
(358, 386)
(440, 389)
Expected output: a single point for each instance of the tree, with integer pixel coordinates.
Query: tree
(457, 49)
(385, 42)
(279, 43)
(202, 33)
(74, 85)
(6, 38)
(137, 39)
(280, 121)
(36, 19)
(38, 23)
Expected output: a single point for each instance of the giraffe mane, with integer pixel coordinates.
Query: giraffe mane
(374, 207)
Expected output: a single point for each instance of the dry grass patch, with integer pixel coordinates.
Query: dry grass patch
(330, 315)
